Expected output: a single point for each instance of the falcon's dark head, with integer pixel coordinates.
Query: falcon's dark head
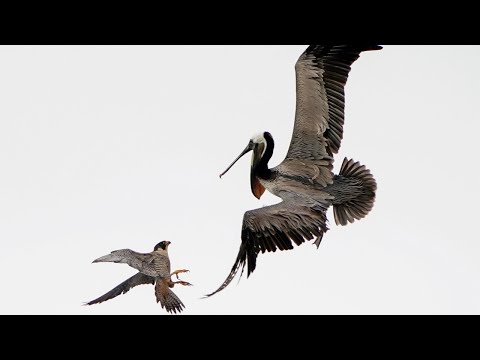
(163, 245)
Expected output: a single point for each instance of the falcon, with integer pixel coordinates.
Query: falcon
(154, 269)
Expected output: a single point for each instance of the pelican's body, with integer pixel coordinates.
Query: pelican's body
(305, 180)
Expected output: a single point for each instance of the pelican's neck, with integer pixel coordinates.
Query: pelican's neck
(261, 169)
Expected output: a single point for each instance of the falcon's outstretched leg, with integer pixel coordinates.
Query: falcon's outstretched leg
(171, 284)
(176, 273)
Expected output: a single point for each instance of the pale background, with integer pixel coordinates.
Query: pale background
(111, 147)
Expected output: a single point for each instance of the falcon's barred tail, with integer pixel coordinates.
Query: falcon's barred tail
(359, 207)
(167, 298)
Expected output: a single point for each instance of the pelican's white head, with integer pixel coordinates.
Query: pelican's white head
(259, 144)
(259, 140)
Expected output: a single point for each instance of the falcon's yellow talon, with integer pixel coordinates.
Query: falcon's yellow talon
(176, 273)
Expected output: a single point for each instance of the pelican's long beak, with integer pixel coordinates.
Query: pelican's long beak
(249, 148)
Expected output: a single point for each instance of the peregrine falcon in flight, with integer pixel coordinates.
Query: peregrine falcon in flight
(154, 269)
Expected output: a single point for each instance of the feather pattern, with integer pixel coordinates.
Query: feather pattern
(305, 179)
(274, 228)
(123, 288)
(154, 269)
(322, 73)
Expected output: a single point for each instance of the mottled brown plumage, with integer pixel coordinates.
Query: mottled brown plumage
(305, 179)
(154, 269)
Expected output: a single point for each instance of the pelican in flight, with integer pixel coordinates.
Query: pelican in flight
(154, 269)
(305, 180)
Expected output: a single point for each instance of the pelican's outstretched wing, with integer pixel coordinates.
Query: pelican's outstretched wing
(123, 288)
(275, 228)
(322, 73)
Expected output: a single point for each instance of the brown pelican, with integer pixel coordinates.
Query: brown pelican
(154, 270)
(304, 180)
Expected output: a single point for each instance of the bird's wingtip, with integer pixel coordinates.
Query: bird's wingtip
(318, 242)
(107, 258)
(374, 48)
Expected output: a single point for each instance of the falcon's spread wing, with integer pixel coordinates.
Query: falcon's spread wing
(123, 288)
(275, 228)
(138, 261)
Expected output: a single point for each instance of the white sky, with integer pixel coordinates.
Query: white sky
(111, 147)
